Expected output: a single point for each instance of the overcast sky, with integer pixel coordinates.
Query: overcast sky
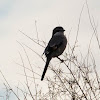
(18, 15)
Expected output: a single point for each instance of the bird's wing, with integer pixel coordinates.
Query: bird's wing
(53, 44)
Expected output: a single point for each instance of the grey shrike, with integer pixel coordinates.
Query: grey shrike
(55, 47)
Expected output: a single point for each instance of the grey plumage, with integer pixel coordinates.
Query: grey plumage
(55, 47)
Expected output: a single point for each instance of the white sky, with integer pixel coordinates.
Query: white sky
(21, 15)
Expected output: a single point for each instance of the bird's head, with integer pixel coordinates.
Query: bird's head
(58, 29)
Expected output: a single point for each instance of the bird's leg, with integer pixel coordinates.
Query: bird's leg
(61, 60)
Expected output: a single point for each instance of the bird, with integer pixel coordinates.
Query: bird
(55, 47)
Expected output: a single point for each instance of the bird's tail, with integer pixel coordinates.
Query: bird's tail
(45, 69)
